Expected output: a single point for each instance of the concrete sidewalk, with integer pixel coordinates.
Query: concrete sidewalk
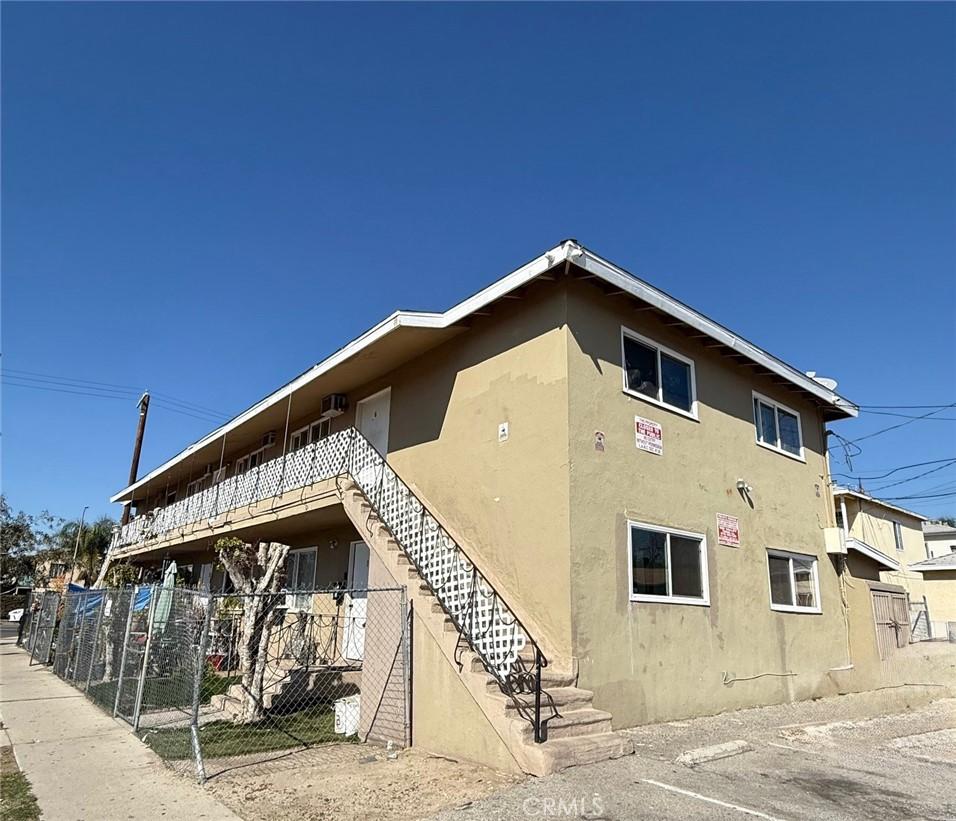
(82, 764)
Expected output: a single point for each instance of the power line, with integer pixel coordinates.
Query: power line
(905, 407)
(910, 416)
(7, 380)
(896, 470)
(930, 496)
(70, 379)
(107, 387)
(917, 476)
(901, 424)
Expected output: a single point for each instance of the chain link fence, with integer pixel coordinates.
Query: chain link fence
(216, 682)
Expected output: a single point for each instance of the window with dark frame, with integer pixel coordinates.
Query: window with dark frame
(898, 535)
(667, 565)
(657, 374)
(777, 427)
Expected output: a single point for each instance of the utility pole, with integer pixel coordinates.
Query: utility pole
(76, 544)
(137, 447)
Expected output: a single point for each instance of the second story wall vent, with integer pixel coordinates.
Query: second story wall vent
(334, 405)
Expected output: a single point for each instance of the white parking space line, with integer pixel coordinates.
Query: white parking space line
(699, 797)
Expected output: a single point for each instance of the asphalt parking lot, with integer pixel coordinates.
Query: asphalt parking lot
(889, 754)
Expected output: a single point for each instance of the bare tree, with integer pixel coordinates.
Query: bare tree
(257, 570)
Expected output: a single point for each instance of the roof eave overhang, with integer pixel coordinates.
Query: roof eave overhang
(871, 552)
(845, 491)
(566, 252)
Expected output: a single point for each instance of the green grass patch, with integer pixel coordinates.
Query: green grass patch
(163, 692)
(17, 802)
(220, 739)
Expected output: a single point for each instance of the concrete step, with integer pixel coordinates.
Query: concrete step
(561, 753)
(563, 699)
(550, 677)
(585, 722)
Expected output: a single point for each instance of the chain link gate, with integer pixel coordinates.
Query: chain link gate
(211, 682)
(44, 628)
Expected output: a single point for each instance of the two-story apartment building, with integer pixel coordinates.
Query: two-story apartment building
(610, 481)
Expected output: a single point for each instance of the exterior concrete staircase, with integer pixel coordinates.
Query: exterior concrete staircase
(574, 732)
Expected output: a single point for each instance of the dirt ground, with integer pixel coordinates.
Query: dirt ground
(349, 782)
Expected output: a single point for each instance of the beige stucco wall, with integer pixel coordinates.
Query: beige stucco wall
(505, 502)
(653, 661)
(445, 717)
(940, 589)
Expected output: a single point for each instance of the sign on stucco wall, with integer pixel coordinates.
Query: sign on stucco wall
(728, 530)
(648, 436)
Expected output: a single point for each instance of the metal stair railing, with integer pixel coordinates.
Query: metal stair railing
(483, 619)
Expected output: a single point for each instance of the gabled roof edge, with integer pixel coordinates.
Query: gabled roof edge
(566, 251)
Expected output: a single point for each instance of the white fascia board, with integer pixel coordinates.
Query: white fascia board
(845, 491)
(878, 556)
(648, 293)
(399, 319)
(567, 251)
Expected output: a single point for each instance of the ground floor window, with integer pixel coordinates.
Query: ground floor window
(300, 576)
(667, 565)
(794, 585)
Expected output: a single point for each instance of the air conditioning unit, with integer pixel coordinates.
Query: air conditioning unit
(219, 474)
(269, 439)
(210, 468)
(334, 405)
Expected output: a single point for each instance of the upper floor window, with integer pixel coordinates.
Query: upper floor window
(898, 535)
(657, 374)
(777, 427)
(793, 582)
(319, 429)
(667, 565)
(250, 461)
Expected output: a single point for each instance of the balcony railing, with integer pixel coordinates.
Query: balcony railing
(484, 620)
(300, 468)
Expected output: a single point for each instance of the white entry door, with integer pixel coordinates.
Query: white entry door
(356, 602)
(371, 418)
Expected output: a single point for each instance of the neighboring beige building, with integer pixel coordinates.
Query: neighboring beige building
(897, 536)
(939, 584)
(642, 496)
(940, 539)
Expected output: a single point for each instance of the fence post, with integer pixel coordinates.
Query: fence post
(929, 623)
(197, 688)
(137, 707)
(129, 624)
(96, 641)
(406, 672)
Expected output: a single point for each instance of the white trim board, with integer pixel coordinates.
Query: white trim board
(567, 251)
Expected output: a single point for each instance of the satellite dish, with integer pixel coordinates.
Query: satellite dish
(829, 384)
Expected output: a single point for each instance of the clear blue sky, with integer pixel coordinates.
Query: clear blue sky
(206, 199)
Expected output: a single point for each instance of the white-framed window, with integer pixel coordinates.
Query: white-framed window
(778, 427)
(300, 576)
(794, 584)
(898, 535)
(657, 374)
(307, 434)
(196, 486)
(250, 461)
(666, 565)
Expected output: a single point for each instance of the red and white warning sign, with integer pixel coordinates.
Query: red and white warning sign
(648, 435)
(728, 530)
